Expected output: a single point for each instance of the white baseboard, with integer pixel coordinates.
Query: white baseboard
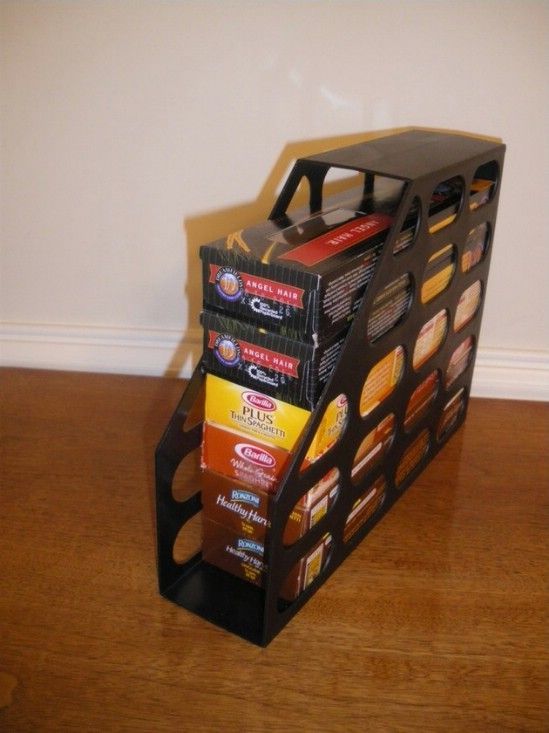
(150, 352)
(499, 373)
(516, 374)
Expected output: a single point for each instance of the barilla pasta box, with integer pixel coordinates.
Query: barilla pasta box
(244, 557)
(438, 273)
(251, 413)
(302, 278)
(236, 415)
(247, 509)
(292, 370)
(241, 457)
(382, 380)
(373, 448)
(262, 464)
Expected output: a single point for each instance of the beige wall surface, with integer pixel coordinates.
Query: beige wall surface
(131, 132)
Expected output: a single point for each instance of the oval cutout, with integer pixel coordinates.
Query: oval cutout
(410, 227)
(188, 541)
(420, 401)
(306, 570)
(195, 415)
(338, 179)
(412, 456)
(445, 203)
(475, 247)
(382, 379)
(450, 414)
(302, 193)
(389, 307)
(438, 273)
(468, 305)
(373, 448)
(483, 185)
(430, 338)
(364, 508)
(459, 361)
(188, 476)
(312, 507)
(329, 432)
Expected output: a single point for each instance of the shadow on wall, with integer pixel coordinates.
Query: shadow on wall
(208, 227)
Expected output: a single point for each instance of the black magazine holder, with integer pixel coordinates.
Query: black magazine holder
(420, 159)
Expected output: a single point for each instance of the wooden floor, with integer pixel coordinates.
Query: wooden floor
(437, 621)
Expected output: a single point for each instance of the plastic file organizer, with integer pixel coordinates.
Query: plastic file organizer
(406, 375)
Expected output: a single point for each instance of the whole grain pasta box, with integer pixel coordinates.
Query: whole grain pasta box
(365, 507)
(262, 464)
(241, 457)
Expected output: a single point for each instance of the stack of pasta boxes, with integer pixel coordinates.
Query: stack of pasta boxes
(279, 298)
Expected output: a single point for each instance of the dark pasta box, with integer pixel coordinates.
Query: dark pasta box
(304, 275)
(289, 369)
(301, 279)
(389, 306)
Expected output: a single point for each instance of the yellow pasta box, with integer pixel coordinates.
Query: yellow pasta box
(330, 429)
(246, 412)
(382, 380)
(253, 413)
(439, 272)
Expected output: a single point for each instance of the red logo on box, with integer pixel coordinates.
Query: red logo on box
(260, 401)
(338, 240)
(262, 287)
(257, 456)
(263, 357)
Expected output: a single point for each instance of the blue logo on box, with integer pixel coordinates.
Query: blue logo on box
(251, 546)
(245, 496)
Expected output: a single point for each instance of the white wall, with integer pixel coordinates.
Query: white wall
(134, 131)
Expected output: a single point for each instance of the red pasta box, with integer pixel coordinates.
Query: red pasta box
(243, 458)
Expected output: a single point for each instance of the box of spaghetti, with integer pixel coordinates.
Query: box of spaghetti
(302, 277)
